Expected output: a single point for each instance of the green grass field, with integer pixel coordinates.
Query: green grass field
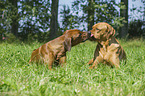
(17, 77)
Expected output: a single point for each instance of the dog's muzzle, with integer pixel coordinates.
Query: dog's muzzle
(89, 33)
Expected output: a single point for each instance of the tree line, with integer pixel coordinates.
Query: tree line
(38, 19)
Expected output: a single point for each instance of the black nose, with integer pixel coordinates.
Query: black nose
(89, 33)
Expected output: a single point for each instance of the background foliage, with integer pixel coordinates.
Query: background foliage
(33, 18)
(30, 19)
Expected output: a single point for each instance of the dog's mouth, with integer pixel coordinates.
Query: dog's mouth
(92, 35)
(92, 38)
(84, 39)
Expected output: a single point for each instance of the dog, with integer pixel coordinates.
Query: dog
(108, 50)
(55, 50)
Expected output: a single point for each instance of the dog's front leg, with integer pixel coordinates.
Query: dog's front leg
(62, 61)
(91, 61)
(98, 60)
(114, 61)
(49, 60)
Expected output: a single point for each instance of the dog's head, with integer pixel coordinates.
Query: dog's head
(74, 37)
(102, 31)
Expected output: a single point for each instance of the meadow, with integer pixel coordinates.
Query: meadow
(17, 77)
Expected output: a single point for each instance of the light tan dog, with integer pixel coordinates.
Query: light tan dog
(108, 50)
(55, 50)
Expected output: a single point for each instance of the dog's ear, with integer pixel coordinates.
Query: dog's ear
(67, 44)
(110, 31)
(65, 32)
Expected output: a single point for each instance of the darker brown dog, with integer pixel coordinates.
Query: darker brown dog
(56, 49)
(108, 50)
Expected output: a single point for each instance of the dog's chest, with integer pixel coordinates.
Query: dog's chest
(108, 51)
(102, 52)
(59, 49)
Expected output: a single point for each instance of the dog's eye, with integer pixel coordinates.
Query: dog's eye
(97, 29)
(80, 35)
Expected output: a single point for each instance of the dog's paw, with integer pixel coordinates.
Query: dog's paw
(91, 67)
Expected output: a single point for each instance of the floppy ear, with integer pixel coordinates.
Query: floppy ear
(110, 32)
(65, 32)
(67, 44)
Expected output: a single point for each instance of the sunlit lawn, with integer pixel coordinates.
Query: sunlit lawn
(17, 77)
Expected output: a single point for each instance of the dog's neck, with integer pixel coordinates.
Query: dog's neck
(113, 40)
(108, 42)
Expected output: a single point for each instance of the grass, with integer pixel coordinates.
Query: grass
(17, 77)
